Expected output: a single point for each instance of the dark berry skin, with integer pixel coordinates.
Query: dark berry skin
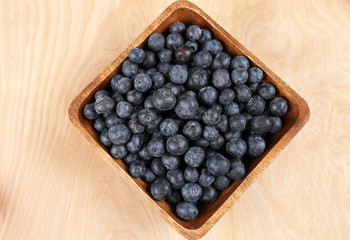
(124, 109)
(213, 46)
(183, 54)
(154, 126)
(174, 40)
(156, 147)
(237, 170)
(210, 133)
(148, 102)
(113, 119)
(178, 74)
(217, 143)
(247, 116)
(119, 134)
(144, 154)
(209, 195)
(239, 76)
(223, 125)
(118, 151)
(206, 178)
(105, 139)
(158, 168)
(158, 80)
(117, 96)
(169, 127)
(134, 97)
(221, 183)
(104, 105)
(236, 147)
(242, 92)
(137, 169)
(206, 36)
(178, 27)
(194, 33)
(149, 176)
(254, 87)
(164, 68)
(208, 95)
(101, 93)
(136, 55)
(202, 59)
(115, 80)
(142, 82)
(123, 85)
(176, 178)
(218, 164)
(240, 62)
(134, 144)
(165, 55)
(217, 107)
(130, 158)
(150, 60)
(238, 122)
(255, 145)
(267, 91)
(186, 107)
(256, 105)
(161, 189)
(221, 61)
(192, 130)
(177, 145)
(192, 45)
(100, 124)
(278, 106)
(129, 68)
(211, 117)
(197, 78)
(191, 174)
(194, 156)
(171, 162)
(147, 116)
(256, 75)
(199, 114)
(226, 96)
(135, 126)
(221, 79)
(164, 99)
(187, 211)
(231, 109)
(191, 192)
(156, 42)
(277, 124)
(260, 124)
(175, 197)
(201, 142)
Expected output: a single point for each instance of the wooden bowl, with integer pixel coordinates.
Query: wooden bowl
(294, 120)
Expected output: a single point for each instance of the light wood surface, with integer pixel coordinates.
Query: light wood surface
(53, 185)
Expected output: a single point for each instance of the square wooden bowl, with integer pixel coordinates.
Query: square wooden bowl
(294, 120)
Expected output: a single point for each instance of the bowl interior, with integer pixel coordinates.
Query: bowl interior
(189, 17)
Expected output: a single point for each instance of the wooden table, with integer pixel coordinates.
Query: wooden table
(53, 185)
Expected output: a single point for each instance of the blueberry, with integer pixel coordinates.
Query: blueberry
(276, 124)
(144, 154)
(118, 134)
(123, 85)
(217, 164)
(165, 55)
(174, 88)
(134, 97)
(130, 158)
(221, 79)
(136, 55)
(222, 126)
(217, 143)
(239, 76)
(247, 116)
(192, 130)
(176, 178)
(201, 142)
(221, 61)
(217, 107)
(194, 33)
(194, 156)
(191, 174)
(142, 82)
(115, 80)
(129, 68)
(240, 62)
(202, 59)
(161, 189)
(149, 176)
(178, 27)
(134, 144)
(164, 99)
(113, 119)
(254, 87)
(154, 126)
(256, 105)
(135, 126)
(197, 78)
(209, 195)
(231, 108)
(101, 93)
(211, 117)
(221, 183)
(175, 197)
(206, 36)
(260, 124)
(200, 113)
(278, 106)
(156, 147)
(192, 45)
(213, 46)
(236, 147)
(210, 133)
(150, 60)
(191, 192)
(177, 145)
(119, 151)
(208, 95)
(237, 170)
(124, 109)
(148, 103)
(186, 210)
(105, 139)
(242, 92)
(174, 40)
(156, 42)
(169, 127)
(158, 168)
(267, 91)
(117, 96)
(178, 74)
(170, 161)
(104, 105)
(206, 178)
(186, 107)
(183, 54)
(164, 68)
(137, 169)
(255, 145)
(157, 134)
(226, 96)
(238, 122)
(256, 75)
(147, 116)
(100, 124)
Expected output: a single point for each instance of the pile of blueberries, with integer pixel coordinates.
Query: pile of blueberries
(183, 114)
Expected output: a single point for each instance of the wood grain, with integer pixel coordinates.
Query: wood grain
(53, 185)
